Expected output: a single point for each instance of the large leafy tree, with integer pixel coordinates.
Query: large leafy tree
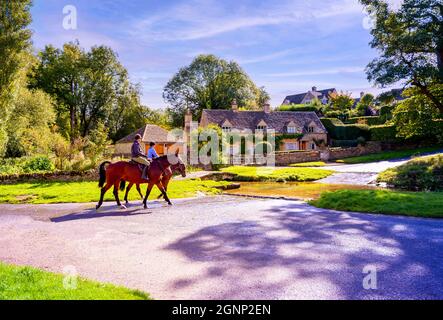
(410, 42)
(88, 86)
(210, 83)
(14, 39)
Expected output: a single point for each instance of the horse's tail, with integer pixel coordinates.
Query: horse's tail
(102, 172)
(122, 185)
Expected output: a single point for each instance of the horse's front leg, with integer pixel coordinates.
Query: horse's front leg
(163, 191)
(148, 191)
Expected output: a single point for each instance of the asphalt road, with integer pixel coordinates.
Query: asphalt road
(231, 248)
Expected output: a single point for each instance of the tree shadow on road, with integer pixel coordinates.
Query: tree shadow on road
(298, 251)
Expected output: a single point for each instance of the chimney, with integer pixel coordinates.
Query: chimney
(234, 105)
(314, 89)
(188, 119)
(267, 107)
(362, 94)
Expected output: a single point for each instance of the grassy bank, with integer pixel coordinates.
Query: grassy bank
(308, 164)
(389, 155)
(26, 283)
(276, 174)
(417, 204)
(59, 192)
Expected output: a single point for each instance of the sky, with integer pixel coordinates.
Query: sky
(286, 46)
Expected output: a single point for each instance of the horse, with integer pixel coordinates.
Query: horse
(122, 170)
(166, 177)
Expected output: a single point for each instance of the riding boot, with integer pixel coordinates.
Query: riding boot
(145, 173)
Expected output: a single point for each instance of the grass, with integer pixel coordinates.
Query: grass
(77, 192)
(26, 283)
(417, 204)
(276, 174)
(308, 164)
(389, 155)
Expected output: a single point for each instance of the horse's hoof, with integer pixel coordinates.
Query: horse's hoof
(123, 207)
(169, 204)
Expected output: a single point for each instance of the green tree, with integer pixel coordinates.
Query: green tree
(14, 39)
(410, 41)
(385, 98)
(88, 86)
(209, 83)
(366, 102)
(341, 101)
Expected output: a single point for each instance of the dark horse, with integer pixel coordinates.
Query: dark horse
(167, 175)
(122, 170)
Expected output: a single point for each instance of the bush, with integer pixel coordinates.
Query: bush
(39, 163)
(423, 174)
(386, 112)
(300, 107)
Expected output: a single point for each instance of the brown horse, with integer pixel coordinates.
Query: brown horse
(116, 172)
(167, 175)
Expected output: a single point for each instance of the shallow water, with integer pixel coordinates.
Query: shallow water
(299, 190)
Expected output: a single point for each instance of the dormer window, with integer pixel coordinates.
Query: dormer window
(226, 126)
(311, 129)
(261, 126)
(292, 129)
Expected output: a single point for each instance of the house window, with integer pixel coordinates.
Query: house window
(291, 130)
(310, 129)
(313, 146)
(226, 129)
(291, 146)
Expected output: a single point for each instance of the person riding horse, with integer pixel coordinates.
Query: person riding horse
(138, 156)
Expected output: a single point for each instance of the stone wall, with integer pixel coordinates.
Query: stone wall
(286, 158)
(340, 153)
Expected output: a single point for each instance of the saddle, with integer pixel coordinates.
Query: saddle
(139, 165)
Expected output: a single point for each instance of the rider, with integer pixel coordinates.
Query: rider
(139, 157)
(152, 154)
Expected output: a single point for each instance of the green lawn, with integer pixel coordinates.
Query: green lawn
(418, 204)
(389, 155)
(308, 164)
(276, 174)
(26, 283)
(59, 192)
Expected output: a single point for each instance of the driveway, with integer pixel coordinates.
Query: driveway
(231, 248)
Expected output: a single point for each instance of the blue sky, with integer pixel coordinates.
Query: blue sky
(286, 46)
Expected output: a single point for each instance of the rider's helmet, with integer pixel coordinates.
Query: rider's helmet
(151, 144)
(137, 137)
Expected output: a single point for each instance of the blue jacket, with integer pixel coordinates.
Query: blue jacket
(136, 150)
(152, 154)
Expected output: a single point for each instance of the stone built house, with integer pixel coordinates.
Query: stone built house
(307, 97)
(149, 133)
(300, 130)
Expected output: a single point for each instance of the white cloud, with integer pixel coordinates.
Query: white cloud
(317, 72)
(193, 21)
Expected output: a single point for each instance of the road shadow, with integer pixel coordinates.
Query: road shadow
(307, 245)
(108, 212)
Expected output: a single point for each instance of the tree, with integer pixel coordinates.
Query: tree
(385, 98)
(366, 102)
(410, 41)
(210, 83)
(341, 101)
(14, 39)
(415, 116)
(88, 86)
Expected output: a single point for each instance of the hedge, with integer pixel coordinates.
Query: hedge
(344, 143)
(299, 107)
(339, 131)
(383, 133)
(369, 120)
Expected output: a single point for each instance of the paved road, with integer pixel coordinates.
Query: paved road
(231, 248)
(362, 173)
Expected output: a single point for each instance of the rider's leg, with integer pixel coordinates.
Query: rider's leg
(145, 162)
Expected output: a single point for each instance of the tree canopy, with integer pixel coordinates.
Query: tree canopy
(210, 83)
(410, 42)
